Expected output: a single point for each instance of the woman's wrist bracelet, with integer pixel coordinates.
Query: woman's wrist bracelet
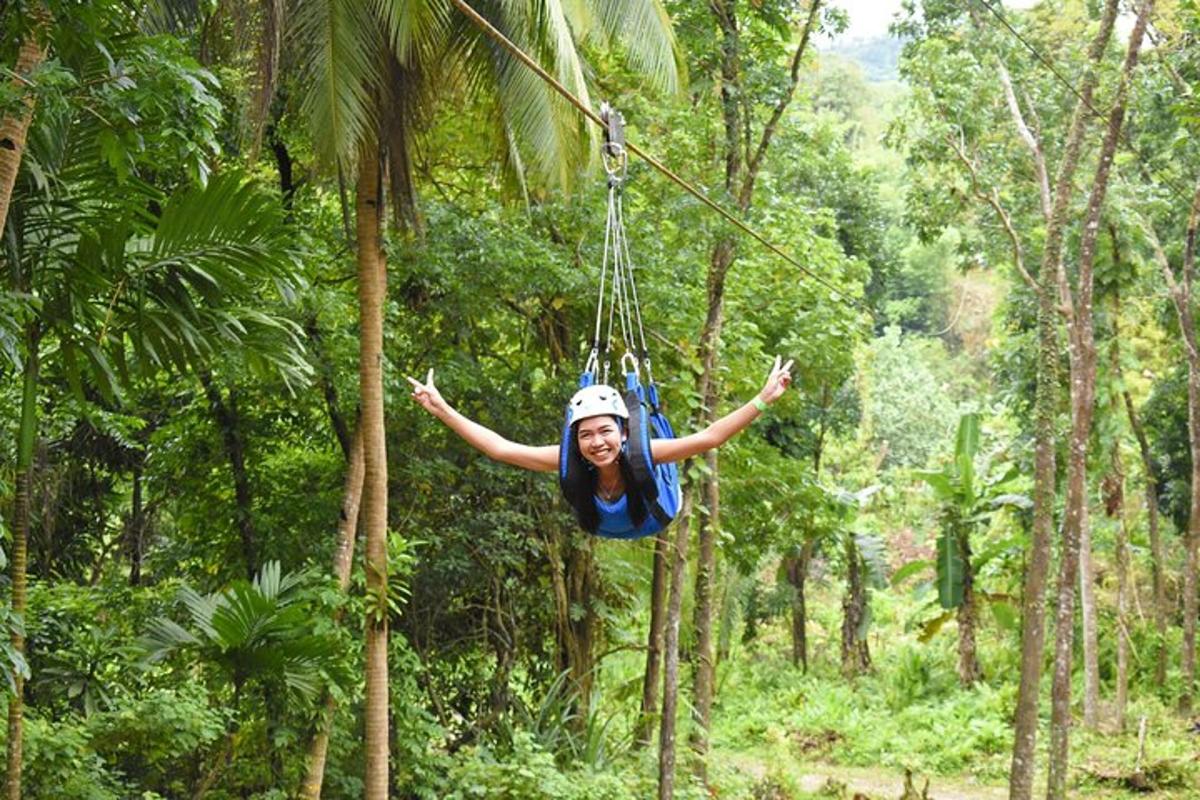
(760, 404)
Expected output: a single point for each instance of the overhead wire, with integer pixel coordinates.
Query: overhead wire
(837, 294)
(1046, 62)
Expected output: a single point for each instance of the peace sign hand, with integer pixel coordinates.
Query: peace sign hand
(778, 381)
(427, 394)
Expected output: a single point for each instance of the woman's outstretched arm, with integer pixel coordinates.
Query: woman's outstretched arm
(485, 440)
(666, 450)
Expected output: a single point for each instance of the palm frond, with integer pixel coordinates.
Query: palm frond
(415, 29)
(642, 29)
(164, 637)
(343, 74)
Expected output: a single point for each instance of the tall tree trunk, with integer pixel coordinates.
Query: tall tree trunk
(1113, 489)
(1082, 357)
(741, 172)
(969, 671)
(1087, 612)
(15, 129)
(18, 558)
(372, 293)
(1045, 409)
(654, 642)
(226, 415)
(1157, 556)
(1183, 301)
(343, 561)
(670, 697)
(797, 566)
(709, 517)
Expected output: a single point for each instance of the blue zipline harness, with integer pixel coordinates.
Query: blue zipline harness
(658, 484)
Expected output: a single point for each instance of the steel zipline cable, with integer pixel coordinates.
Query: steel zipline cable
(836, 294)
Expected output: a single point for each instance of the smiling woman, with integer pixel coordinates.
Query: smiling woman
(605, 493)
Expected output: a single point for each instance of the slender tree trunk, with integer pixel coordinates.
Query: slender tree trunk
(666, 735)
(1082, 353)
(580, 579)
(654, 642)
(741, 171)
(372, 293)
(1188, 660)
(856, 655)
(1073, 522)
(969, 671)
(1157, 559)
(333, 407)
(18, 558)
(797, 574)
(573, 576)
(728, 604)
(1157, 556)
(226, 415)
(1181, 296)
(709, 519)
(1087, 613)
(343, 561)
(15, 129)
(135, 528)
(1034, 603)
(1113, 487)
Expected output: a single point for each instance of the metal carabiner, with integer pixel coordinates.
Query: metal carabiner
(633, 359)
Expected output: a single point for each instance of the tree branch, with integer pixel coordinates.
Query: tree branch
(1031, 141)
(781, 106)
(993, 200)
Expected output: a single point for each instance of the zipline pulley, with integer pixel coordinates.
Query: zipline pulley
(612, 153)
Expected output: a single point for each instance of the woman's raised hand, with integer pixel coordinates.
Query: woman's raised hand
(777, 382)
(427, 394)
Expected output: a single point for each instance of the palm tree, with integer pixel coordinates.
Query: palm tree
(368, 72)
(112, 292)
(254, 633)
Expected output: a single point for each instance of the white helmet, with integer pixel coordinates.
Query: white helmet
(596, 401)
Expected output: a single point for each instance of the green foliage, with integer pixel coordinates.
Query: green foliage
(967, 504)
(908, 409)
(156, 736)
(251, 631)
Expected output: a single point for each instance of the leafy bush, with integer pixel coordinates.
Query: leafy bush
(59, 762)
(158, 736)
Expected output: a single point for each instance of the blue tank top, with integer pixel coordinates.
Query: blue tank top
(615, 522)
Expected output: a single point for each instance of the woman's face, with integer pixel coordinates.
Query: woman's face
(600, 440)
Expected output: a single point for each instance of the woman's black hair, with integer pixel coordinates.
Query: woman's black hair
(580, 491)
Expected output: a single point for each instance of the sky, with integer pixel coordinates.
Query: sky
(870, 18)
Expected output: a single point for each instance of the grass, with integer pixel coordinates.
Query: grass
(775, 728)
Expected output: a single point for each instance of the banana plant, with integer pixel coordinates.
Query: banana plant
(968, 500)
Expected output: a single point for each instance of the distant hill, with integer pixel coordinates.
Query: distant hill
(879, 57)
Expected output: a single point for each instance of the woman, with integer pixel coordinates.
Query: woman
(596, 416)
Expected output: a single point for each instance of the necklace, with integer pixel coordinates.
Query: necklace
(610, 492)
